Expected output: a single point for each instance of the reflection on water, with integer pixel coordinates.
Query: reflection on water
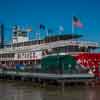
(27, 91)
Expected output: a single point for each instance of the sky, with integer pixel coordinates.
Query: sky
(52, 13)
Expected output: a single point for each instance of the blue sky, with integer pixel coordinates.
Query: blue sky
(52, 13)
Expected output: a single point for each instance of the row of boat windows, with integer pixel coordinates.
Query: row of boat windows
(44, 52)
(70, 49)
(46, 40)
(29, 43)
(24, 43)
(10, 55)
(30, 62)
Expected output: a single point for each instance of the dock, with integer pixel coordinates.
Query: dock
(47, 77)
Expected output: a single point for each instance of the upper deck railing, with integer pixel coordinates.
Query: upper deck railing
(55, 44)
(84, 43)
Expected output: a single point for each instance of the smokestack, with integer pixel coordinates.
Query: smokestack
(15, 28)
(1, 35)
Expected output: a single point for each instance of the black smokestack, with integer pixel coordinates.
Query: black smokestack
(1, 36)
(15, 28)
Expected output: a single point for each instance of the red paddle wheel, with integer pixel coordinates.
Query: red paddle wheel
(91, 61)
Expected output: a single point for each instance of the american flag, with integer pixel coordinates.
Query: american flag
(76, 22)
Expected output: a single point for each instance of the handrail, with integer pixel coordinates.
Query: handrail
(84, 42)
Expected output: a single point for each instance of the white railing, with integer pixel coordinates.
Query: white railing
(89, 43)
(49, 45)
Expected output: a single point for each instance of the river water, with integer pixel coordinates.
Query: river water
(17, 90)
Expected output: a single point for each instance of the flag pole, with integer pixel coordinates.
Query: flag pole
(72, 29)
(72, 26)
(47, 32)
